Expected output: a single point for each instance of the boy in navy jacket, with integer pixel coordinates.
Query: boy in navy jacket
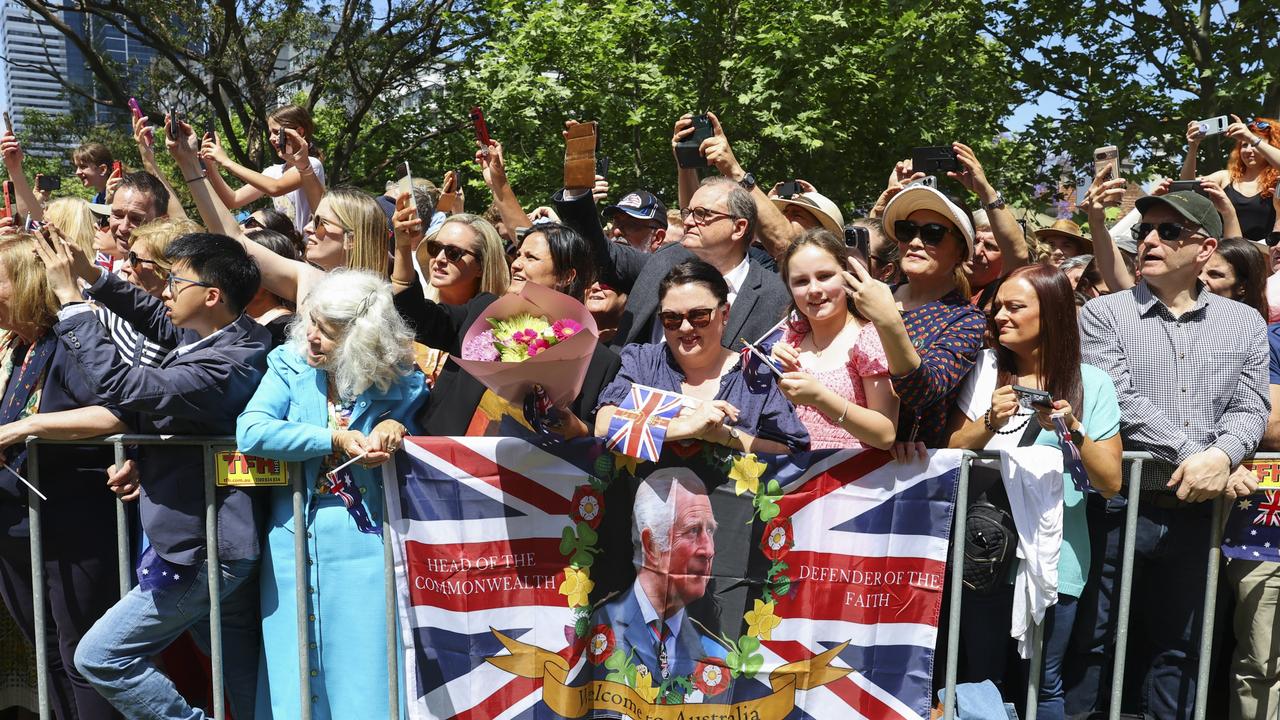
(198, 389)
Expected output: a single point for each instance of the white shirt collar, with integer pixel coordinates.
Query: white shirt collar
(184, 349)
(737, 276)
(649, 614)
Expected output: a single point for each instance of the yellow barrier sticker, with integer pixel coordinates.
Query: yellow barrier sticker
(236, 469)
(1268, 472)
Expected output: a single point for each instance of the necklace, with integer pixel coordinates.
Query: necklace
(817, 352)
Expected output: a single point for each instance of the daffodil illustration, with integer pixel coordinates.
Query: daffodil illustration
(760, 620)
(644, 684)
(746, 473)
(577, 586)
(625, 462)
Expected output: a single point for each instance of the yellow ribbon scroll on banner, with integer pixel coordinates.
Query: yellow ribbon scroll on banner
(235, 469)
(533, 662)
(1268, 472)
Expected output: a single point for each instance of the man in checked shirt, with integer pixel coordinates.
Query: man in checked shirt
(1190, 370)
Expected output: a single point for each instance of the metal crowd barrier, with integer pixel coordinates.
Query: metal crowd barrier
(210, 445)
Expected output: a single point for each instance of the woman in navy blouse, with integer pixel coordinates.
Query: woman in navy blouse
(693, 307)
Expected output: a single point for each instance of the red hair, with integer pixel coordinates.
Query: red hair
(1267, 179)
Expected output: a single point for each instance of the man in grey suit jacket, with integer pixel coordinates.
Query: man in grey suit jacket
(673, 531)
(719, 225)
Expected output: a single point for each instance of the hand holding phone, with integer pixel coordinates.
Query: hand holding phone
(789, 189)
(8, 124)
(117, 169)
(689, 148)
(1213, 126)
(48, 183)
(1194, 186)
(580, 155)
(173, 123)
(406, 185)
(1031, 398)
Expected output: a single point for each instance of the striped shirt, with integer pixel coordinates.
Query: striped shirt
(1186, 383)
(133, 346)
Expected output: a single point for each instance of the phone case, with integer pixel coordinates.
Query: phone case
(580, 156)
(688, 151)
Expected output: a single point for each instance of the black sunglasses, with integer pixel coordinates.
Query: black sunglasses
(452, 253)
(697, 317)
(929, 233)
(135, 261)
(1166, 231)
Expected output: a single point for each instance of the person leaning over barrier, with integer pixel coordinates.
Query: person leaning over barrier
(198, 389)
(341, 387)
(45, 395)
(1190, 370)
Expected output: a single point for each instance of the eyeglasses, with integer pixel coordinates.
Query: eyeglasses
(701, 215)
(929, 233)
(172, 282)
(697, 317)
(135, 261)
(1167, 231)
(452, 253)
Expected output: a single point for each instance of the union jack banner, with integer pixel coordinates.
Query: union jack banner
(800, 586)
(639, 424)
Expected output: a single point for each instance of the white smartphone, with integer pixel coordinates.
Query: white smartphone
(1108, 155)
(1213, 126)
(406, 185)
(927, 181)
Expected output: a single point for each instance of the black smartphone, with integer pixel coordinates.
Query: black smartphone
(48, 182)
(282, 139)
(789, 189)
(10, 199)
(1187, 185)
(1031, 397)
(8, 124)
(602, 165)
(210, 126)
(173, 123)
(934, 160)
(688, 153)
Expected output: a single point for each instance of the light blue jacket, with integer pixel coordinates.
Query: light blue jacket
(288, 419)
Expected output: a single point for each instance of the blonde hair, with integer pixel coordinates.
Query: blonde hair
(73, 217)
(365, 233)
(154, 237)
(495, 274)
(375, 345)
(33, 302)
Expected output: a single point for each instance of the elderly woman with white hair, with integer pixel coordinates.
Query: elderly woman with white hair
(343, 386)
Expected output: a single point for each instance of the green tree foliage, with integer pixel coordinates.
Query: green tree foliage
(835, 92)
(1133, 74)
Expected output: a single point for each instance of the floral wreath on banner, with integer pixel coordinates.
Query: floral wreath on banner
(710, 675)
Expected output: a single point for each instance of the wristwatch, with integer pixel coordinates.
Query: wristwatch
(1077, 437)
(995, 204)
(748, 182)
(1257, 140)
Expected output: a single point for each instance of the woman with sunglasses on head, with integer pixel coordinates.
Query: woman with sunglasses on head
(835, 371)
(1253, 168)
(930, 332)
(551, 255)
(988, 416)
(693, 308)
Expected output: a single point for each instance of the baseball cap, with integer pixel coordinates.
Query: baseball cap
(819, 206)
(641, 205)
(1190, 205)
(923, 197)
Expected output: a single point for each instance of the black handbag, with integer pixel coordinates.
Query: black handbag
(990, 535)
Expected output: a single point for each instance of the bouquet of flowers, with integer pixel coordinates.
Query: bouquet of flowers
(515, 345)
(518, 338)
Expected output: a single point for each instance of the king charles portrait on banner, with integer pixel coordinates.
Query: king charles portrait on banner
(673, 533)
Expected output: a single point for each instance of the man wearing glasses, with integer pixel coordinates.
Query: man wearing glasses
(1191, 373)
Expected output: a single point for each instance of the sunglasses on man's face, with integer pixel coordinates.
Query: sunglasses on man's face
(697, 317)
(1166, 231)
(136, 261)
(452, 253)
(929, 233)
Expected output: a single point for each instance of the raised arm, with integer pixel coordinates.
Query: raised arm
(213, 154)
(1240, 131)
(772, 228)
(141, 133)
(21, 188)
(1004, 226)
(493, 168)
(1102, 194)
(1194, 136)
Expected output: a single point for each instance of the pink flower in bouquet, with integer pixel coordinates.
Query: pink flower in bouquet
(563, 329)
(480, 347)
(537, 345)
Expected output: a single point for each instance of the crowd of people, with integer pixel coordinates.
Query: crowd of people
(323, 327)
